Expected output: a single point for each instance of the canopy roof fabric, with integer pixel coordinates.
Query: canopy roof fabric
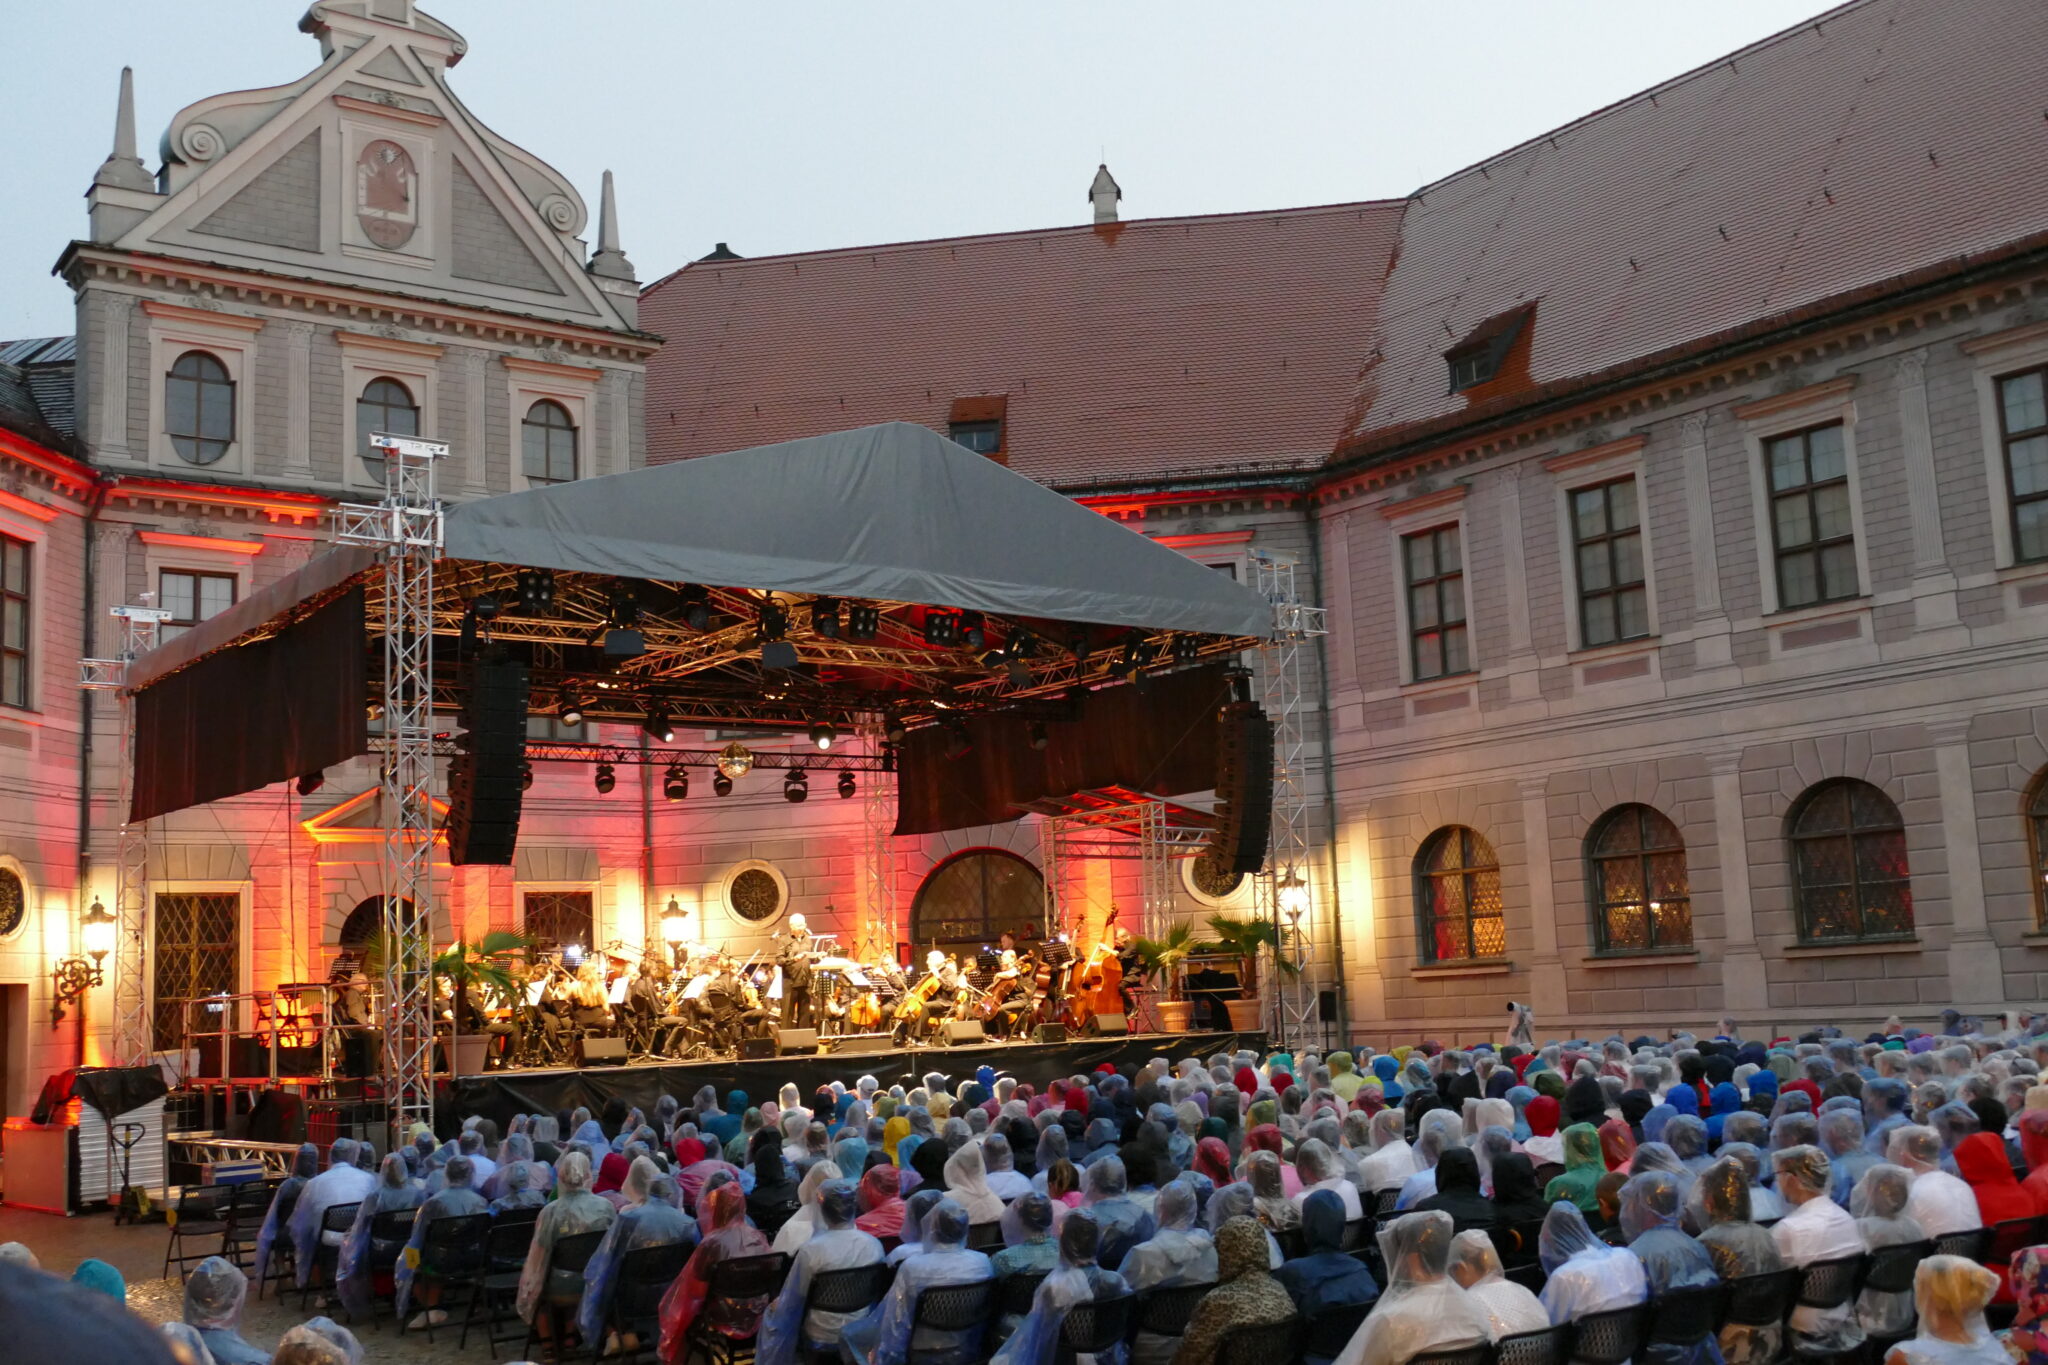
(895, 512)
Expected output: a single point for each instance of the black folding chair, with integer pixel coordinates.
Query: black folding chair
(1480, 1353)
(282, 1253)
(505, 1248)
(569, 1256)
(200, 1215)
(1357, 1235)
(246, 1208)
(452, 1254)
(1329, 1330)
(1827, 1285)
(1683, 1318)
(954, 1308)
(1890, 1270)
(1972, 1245)
(739, 1289)
(337, 1219)
(1760, 1300)
(644, 1275)
(1609, 1338)
(769, 1218)
(2009, 1239)
(982, 1236)
(1383, 1202)
(1530, 1276)
(1093, 1328)
(1293, 1246)
(842, 1291)
(389, 1232)
(1545, 1346)
(1014, 1293)
(1266, 1344)
(1164, 1312)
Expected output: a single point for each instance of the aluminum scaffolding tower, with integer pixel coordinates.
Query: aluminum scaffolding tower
(875, 939)
(131, 1042)
(406, 528)
(1283, 892)
(1136, 831)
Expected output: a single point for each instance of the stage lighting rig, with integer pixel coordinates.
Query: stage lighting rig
(846, 787)
(796, 786)
(776, 651)
(863, 622)
(536, 592)
(825, 617)
(607, 778)
(675, 783)
(658, 725)
(695, 608)
(823, 735)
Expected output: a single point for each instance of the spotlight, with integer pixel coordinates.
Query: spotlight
(675, 783)
(991, 658)
(696, 608)
(845, 785)
(569, 711)
(658, 725)
(1019, 672)
(941, 628)
(888, 760)
(721, 785)
(822, 736)
(862, 622)
(892, 728)
(486, 607)
(958, 743)
(825, 617)
(1037, 735)
(622, 604)
(624, 644)
(606, 779)
(1020, 645)
(1136, 653)
(311, 782)
(525, 776)
(536, 592)
(572, 955)
(774, 688)
(795, 786)
(972, 633)
(1186, 648)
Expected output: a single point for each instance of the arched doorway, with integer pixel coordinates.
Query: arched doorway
(363, 925)
(975, 897)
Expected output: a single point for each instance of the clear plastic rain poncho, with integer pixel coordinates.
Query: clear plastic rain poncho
(655, 1221)
(457, 1200)
(1028, 1247)
(305, 1165)
(1586, 1274)
(1878, 1204)
(836, 1244)
(723, 1234)
(1078, 1280)
(1320, 1170)
(318, 1341)
(1507, 1308)
(1423, 1308)
(521, 1185)
(341, 1183)
(1440, 1128)
(1391, 1160)
(884, 1337)
(1177, 1252)
(1052, 1148)
(1815, 1228)
(917, 1211)
(1841, 1137)
(1123, 1221)
(1001, 1168)
(803, 1224)
(1950, 1293)
(1236, 1201)
(574, 1209)
(214, 1293)
(1764, 1204)
(1650, 1207)
(1941, 1202)
(1494, 1142)
(967, 1185)
(1269, 1192)
(1686, 1136)
(1720, 1208)
(396, 1192)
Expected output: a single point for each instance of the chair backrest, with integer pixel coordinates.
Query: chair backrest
(1164, 1312)
(1685, 1317)
(1546, 1172)
(198, 1202)
(1383, 1202)
(506, 1244)
(1480, 1354)
(506, 1217)
(1093, 1328)
(455, 1246)
(392, 1225)
(1608, 1338)
(645, 1273)
(848, 1291)
(956, 1307)
(1530, 1275)
(2010, 1238)
(1760, 1300)
(1890, 1270)
(572, 1253)
(1293, 1246)
(1357, 1234)
(1971, 1245)
(251, 1201)
(1830, 1284)
(287, 1200)
(1014, 1293)
(1546, 1346)
(339, 1217)
(1329, 1330)
(1260, 1344)
(982, 1236)
(744, 1278)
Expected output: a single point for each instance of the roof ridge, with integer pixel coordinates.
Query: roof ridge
(1649, 92)
(1302, 210)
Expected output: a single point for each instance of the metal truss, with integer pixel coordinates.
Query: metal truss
(1140, 832)
(569, 751)
(875, 937)
(1284, 891)
(131, 1040)
(406, 528)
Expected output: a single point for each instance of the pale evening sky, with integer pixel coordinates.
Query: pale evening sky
(804, 124)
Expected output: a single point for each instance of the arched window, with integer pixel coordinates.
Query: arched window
(1457, 897)
(974, 898)
(199, 407)
(2037, 844)
(385, 405)
(1635, 865)
(550, 443)
(1849, 878)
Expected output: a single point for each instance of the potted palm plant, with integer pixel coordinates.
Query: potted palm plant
(1243, 939)
(492, 965)
(1163, 962)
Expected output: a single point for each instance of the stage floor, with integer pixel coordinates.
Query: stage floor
(498, 1095)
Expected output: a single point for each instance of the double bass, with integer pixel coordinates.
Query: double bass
(1097, 987)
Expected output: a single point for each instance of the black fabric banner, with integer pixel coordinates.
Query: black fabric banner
(1160, 740)
(262, 712)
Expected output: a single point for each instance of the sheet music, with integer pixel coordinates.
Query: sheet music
(617, 993)
(535, 990)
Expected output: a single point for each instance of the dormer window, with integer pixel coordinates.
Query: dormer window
(983, 438)
(977, 423)
(1480, 355)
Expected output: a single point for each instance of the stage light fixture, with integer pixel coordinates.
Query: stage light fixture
(972, 633)
(892, 728)
(1186, 648)
(1037, 735)
(863, 622)
(311, 782)
(845, 785)
(536, 592)
(525, 776)
(607, 778)
(1022, 644)
(569, 711)
(721, 785)
(486, 606)
(795, 786)
(622, 604)
(572, 955)
(822, 736)
(958, 742)
(1018, 672)
(825, 617)
(1136, 654)
(774, 689)
(696, 608)
(888, 760)
(658, 725)
(776, 652)
(940, 628)
(675, 783)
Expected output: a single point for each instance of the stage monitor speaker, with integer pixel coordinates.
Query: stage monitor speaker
(863, 1042)
(601, 1052)
(756, 1049)
(1109, 1026)
(486, 777)
(1326, 1007)
(1049, 1033)
(1244, 792)
(963, 1031)
(796, 1042)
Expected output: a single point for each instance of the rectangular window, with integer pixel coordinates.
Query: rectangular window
(1607, 540)
(1436, 602)
(2023, 424)
(1812, 533)
(983, 438)
(14, 622)
(190, 596)
(198, 953)
(556, 919)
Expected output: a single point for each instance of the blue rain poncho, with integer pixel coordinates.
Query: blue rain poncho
(1841, 1137)
(650, 1219)
(355, 1271)
(1586, 1274)
(1123, 1220)
(836, 1245)
(1078, 1280)
(1650, 1207)
(213, 1308)
(305, 1165)
(1440, 1128)
(458, 1200)
(341, 1183)
(574, 1209)
(521, 1185)
(883, 1335)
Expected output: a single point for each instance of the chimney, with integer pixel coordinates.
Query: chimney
(1103, 192)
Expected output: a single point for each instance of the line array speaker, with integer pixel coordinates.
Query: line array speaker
(485, 781)
(1244, 790)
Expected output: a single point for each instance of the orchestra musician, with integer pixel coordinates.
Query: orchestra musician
(838, 1005)
(590, 1007)
(864, 1015)
(796, 962)
(1009, 993)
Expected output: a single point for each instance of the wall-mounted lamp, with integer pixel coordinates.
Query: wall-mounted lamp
(675, 925)
(71, 978)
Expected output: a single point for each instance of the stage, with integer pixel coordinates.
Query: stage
(498, 1095)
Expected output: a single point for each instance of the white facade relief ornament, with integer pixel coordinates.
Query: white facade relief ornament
(200, 142)
(387, 194)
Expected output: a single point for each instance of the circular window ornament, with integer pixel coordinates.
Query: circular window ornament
(13, 903)
(1212, 882)
(756, 891)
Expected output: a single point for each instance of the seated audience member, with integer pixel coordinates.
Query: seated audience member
(1585, 1274)
(884, 1335)
(213, 1308)
(458, 1199)
(1516, 1200)
(1324, 1276)
(1124, 1224)
(804, 1224)
(1982, 1163)
(1878, 1204)
(1457, 1192)
(1423, 1309)
(1246, 1294)
(362, 1254)
(1000, 1161)
(2026, 1341)
(574, 1209)
(1507, 1308)
(881, 1201)
(967, 1185)
(1651, 1205)
(1078, 1280)
(1320, 1170)
(1841, 1137)
(836, 1244)
(1583, 1168)
(1950, 1294)
(1392, 1160)
(1177, 1252)
(653, 1218)
(1544, 1145)
(1940, 1203)
(1721, 1210)
(276, 1220)
(343, 1182)
(1815, 1228)
(723, 1235)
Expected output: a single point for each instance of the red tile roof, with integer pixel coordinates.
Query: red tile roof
(1878, 140)
(1124, 351)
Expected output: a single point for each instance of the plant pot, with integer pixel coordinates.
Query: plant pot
(472, 1050)
(1174, 1015)
(1245, 1015)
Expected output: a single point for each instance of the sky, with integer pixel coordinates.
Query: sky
(797, 125)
